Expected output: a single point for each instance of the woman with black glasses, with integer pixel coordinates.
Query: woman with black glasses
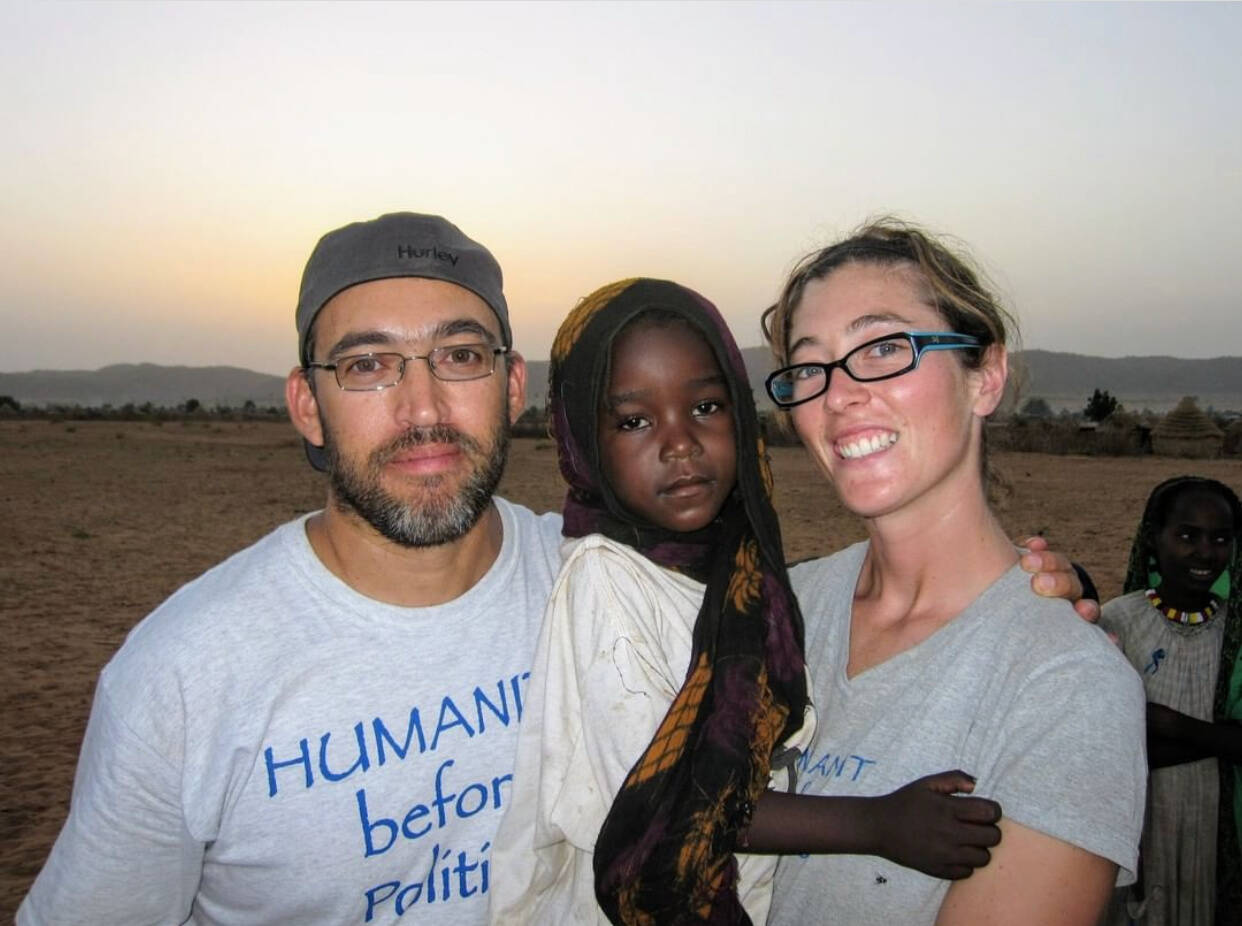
(927, 646)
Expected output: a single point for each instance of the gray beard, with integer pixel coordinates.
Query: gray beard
(439, 519)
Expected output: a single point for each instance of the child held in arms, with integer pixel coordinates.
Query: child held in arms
(669, 694)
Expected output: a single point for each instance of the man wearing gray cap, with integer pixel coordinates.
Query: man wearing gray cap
(322, 728)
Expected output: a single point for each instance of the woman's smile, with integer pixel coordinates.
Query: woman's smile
(857, 446)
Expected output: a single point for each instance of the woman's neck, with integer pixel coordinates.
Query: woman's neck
(923, 568)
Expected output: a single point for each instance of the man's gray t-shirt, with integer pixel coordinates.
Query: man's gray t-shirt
(1017, 691)
(269, 746)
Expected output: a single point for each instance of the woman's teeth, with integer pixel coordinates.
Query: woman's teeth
(866, 446)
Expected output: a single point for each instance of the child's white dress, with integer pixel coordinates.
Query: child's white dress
(1179, 664)
(613, 652)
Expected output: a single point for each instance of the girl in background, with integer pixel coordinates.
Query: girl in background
(1180, 627)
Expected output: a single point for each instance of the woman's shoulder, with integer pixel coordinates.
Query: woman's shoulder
(1044, 632)
(816, 572)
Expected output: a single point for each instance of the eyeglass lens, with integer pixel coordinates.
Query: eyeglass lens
(380, 370)
(875, 360)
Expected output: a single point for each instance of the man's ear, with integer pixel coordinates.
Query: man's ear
(991, 377)
(517, 385)
(303, 406)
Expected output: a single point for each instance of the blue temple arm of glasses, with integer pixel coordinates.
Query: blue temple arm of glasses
(943, 340)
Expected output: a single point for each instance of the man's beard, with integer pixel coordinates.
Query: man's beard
(436, 518)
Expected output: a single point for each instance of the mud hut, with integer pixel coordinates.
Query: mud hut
(1233, 439)
(1187, 432)
(1123, 433)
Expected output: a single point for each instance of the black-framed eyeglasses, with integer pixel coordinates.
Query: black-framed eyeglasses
(879, 358)
(452, 363)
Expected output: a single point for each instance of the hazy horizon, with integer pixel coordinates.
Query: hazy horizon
(744, 347)
(170, 166)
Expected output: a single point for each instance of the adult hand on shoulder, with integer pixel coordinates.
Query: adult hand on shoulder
(1054, 576)
(924, 825)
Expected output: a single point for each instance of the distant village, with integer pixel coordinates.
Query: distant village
(1103, 426)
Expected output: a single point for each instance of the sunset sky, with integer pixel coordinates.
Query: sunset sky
(167, 168)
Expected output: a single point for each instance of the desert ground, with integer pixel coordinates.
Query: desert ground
(105, 519)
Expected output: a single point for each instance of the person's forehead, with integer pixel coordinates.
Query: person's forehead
(1200, 503)
(414, 306)
(865, 288)
(659, 344)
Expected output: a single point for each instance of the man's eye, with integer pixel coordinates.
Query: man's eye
(362, 366)
(468, 355)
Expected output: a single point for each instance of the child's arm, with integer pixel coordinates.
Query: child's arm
(1174, 738)
(921, 825)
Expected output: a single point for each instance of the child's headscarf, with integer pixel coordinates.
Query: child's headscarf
(1227, 704)
(665, 851)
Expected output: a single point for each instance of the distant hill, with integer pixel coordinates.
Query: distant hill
(144, 382)
(1139, 382)
(1064, 380)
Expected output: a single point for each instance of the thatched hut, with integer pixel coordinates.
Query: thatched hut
(1187, 432)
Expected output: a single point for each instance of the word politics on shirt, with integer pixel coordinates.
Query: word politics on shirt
(431, 747)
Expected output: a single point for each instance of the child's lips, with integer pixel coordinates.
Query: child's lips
(688, 485)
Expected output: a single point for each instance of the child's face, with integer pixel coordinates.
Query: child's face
(666, 429)
(1192, 548)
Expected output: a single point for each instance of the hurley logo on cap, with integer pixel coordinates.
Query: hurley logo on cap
(409, 252)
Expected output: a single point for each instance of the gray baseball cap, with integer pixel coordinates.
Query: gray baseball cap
(400, 244)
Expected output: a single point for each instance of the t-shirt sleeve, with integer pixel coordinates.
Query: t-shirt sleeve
(1072, 761)
(125, 854)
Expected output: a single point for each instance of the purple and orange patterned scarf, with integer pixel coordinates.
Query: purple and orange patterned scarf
(665, 853)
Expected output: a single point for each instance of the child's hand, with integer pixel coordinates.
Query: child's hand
(923, 826)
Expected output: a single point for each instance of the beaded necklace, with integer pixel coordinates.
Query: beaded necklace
(1183, 617)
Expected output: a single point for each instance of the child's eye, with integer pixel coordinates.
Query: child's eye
(631, 423)
(708, 407)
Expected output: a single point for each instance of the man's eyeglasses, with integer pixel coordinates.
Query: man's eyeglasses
(880, 358)
(452, 363)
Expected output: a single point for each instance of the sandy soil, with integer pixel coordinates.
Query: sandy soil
(105, 519)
